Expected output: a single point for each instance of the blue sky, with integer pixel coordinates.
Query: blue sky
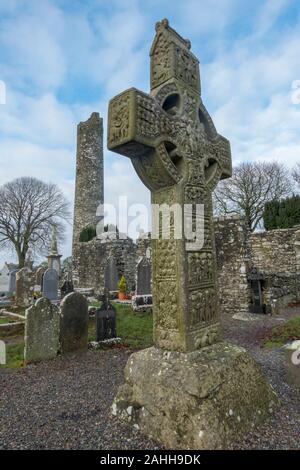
(62, 60)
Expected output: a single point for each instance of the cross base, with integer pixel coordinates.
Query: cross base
(198, 400)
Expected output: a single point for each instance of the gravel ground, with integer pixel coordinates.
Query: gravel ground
(65, 403)
(282, 429)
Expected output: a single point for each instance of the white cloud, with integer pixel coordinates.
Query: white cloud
(31, 41)
(59, 66)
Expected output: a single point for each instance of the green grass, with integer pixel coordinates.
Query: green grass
(282, 334)
(135, 329)
(5, 320)
(14, 356)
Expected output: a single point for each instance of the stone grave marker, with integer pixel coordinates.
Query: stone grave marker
(39, 277)
(111, 275)
(41, 331)
(178, 154)
(4, 281)
(66, 288)
(12, 281)
(25, 281)
(143, 279)
(50, 284)
(74, 323)
(105, 320)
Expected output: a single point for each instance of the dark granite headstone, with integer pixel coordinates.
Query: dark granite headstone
(111, 275)
(105, 321)
(143, 284)
(50, 284)
(256, 281)
(74, 323)
(66, 288)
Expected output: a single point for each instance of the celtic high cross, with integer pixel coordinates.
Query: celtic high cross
(178, 154)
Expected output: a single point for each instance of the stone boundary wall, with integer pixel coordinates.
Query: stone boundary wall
(275, 251)
(232, 264)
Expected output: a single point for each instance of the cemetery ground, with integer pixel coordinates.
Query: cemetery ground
(65, 403)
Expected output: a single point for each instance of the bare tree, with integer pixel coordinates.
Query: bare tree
(296, 174)
(28, 210)
(249, 188)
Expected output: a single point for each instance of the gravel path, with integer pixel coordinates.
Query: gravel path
(65, 403)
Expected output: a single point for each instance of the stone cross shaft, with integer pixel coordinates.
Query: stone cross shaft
(178, 154)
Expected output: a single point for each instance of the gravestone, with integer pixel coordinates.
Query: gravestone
(188, 391)
(143, 279)
(41, 331)
(2, 353)
(39, 277)
(4, 281)
(74, 323)
(66, 288)
(256, 281)
(111, 276)
(25, 281)
(50, 284)
(105, 320)
(12, 281)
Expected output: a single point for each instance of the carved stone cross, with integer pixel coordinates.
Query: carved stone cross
(178, 154)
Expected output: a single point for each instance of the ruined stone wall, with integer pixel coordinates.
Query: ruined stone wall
(89, 174)
(276, 254)
(233, 264)
(89, 262)
(274, 251)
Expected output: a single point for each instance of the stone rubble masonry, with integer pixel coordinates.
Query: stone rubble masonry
(232, 264)
(275, 253)
(90, 261)
(89, 174)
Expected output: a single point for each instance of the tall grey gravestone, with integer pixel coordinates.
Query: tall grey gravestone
(191, 390)
(4, 280)
(74, 323)
(12, 281)
(111, 276)
(50, 284)
(41, 331)
(143, 277)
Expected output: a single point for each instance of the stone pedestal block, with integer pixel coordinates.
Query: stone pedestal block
(198, 400)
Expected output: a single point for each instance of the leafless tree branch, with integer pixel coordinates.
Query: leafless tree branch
(28, 210)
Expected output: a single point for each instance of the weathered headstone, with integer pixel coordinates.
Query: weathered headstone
(12, 281)
(111, 276)
(74, 323)
(189, 390)
(25, 281)
(41, 331)
(39, 277)
(50, 284)
(4, 280)
(143, 279)
(105, 320)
